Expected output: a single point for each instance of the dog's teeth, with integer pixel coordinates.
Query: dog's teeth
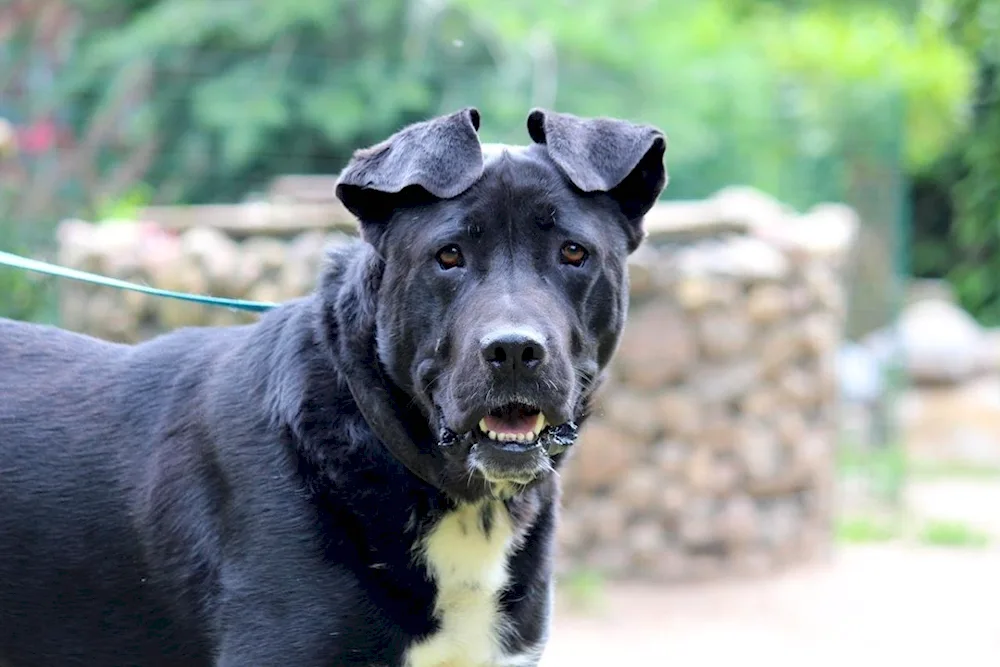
(483, 427)
(493, 435)
(520, 437)
(539, 423)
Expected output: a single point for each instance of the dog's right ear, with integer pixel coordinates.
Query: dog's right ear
(437, 158)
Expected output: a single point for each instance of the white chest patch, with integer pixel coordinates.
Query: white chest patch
(466, 556)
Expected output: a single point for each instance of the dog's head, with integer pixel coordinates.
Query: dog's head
(503, 287)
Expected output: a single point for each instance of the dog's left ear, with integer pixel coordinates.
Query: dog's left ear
(437, 158)
(622, 159)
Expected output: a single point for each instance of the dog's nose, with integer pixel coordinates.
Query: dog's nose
(513, 351)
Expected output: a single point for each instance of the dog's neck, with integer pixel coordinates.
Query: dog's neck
(346, 324)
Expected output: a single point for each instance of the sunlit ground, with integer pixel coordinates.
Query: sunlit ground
(919, 587)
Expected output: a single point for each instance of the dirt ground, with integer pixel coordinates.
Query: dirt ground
(870, 605)
(885, 605)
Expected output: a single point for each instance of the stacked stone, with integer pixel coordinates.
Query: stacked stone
(201, 260)
(712, 448)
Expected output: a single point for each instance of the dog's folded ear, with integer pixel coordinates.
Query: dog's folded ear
(620, 158)
(440, 158)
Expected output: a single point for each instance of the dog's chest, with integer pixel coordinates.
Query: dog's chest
(466, 555)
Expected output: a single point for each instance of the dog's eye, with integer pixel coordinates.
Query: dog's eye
(573, 253)
(450, 257)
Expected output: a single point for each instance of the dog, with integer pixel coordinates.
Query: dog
(365, 476)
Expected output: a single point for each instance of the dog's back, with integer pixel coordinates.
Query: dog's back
(67, 493)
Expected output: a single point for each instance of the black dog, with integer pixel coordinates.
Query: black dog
(367, 475)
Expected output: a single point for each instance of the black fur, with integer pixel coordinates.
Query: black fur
(252, 495)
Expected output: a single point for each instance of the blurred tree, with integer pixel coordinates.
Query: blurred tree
(957, 202)
(242, 90)
(741, 87)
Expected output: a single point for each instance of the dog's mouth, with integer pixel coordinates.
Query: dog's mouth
(514, 438)
(514, 422)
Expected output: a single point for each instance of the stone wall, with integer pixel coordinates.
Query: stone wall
(712, 448)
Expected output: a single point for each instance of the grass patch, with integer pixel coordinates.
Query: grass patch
(868, 529)
(943, 533)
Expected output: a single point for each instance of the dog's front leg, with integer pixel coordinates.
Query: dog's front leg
(295, 617)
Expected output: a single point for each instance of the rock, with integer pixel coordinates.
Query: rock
(181, 275)
(679, 414)
(752, 563)
(723, 383)
(696, 527)
(669, 457)
(760, 453)
(632, 412)
(673, 565)
(812, 453)
(723, 334)
(941, 343)
(705, 567)
(799, 300)
(761, 401)
(610, 560)
(657, 346)
(798, 388)
(767, 303)
(738, 520)
(820, 334)
(825, 289)
(696, 293)
(743, 258)
(78, 247)
(603, 456)
(827, 232)
(700, 470)
(779, 348)
(751, 206)
(791, 428)
(721, 432)
(638, 491)
(270, 252)
(780, 523)
(608, 521)
(646, 540)
(215, 254)
(672, 500)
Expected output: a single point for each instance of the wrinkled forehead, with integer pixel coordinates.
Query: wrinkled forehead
(520, 188)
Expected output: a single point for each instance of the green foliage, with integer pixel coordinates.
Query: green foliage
(767, 94)
(233, 101)
(967, 251)
(23, 295)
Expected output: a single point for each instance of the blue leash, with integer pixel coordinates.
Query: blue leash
(18, 262)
